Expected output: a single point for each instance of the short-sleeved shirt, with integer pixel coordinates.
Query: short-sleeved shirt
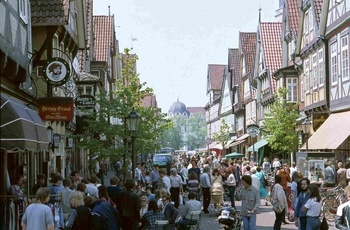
(38, 217)
(314, 207)
(175, 181)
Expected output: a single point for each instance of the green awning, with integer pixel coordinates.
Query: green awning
(234, 155)
(257, 145)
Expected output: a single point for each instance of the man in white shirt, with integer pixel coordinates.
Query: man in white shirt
(91, 188)
(191, 205)
(255, 179)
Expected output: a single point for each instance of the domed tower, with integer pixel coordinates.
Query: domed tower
(178, 108)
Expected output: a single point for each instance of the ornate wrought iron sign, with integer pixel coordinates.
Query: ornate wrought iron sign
(56, 71)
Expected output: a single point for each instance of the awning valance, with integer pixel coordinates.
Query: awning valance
(21, 127)
(332, 133)
(234, 143)
(243, 137)
(257, 145)
(234, 155)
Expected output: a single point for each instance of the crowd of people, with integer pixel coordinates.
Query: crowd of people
(157, 194)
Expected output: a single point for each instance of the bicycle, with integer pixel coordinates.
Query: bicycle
(331, 199)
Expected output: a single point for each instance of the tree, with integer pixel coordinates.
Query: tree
(223, 135)
(172, 137)
(280, 123)
(197, 131)
(106, 134)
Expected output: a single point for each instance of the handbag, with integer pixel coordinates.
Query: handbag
(324, 224)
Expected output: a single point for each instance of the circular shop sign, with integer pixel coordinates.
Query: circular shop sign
(56, 71)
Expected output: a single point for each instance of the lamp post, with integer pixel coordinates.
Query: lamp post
(133, 121)
(253, 130)
(306, 126)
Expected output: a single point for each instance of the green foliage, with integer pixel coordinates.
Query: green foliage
(280, 124)
(197, 131)
(107, 134)
(223, 135)
(172, 137)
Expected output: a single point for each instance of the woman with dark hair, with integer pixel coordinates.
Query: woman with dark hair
(313, 208)
(279, 202)
(104, 197)
(149, 218)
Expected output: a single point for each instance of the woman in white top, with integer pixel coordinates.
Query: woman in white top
(231, 184)
(313, 208)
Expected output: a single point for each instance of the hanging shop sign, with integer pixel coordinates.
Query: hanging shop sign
(85, 102)
(56, 71)
(56, 108)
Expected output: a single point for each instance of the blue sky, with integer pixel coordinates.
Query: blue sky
(176, 40)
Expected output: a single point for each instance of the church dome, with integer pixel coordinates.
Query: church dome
(178, 108)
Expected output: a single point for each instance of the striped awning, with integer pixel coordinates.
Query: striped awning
(21, 127)
(331, 134)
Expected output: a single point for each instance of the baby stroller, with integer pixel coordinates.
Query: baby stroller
(230, 219)
(216, 199)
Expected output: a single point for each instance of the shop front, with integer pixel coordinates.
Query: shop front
(24, 143)
(318, 167)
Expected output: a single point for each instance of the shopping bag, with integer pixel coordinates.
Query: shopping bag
(181, 199)
(324, 224)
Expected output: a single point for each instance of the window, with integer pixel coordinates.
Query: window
(55, 46)
(291, 48)
(23, 10)
(334, 63)
(302, 90)
(320, 68)
(314, 71)
(307, 77)
(345, 57)
(292, 87)
(246, 89)
(306, 28)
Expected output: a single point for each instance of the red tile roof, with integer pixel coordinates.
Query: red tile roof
(215, 73)
(196, 110)
(103, 35)
(149, 101)
(234, 63)
(318, 9)
(53, 12)
(248, 45)
(293, 15)
(272, 48)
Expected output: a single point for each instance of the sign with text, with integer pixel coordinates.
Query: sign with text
(85, 102)
(56, 109)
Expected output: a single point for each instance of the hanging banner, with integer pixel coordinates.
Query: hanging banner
(56, 109)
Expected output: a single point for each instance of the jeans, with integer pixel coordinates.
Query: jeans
(302, 223)
(232, 190)
(278, 220)
(249, 222)
(313, 223)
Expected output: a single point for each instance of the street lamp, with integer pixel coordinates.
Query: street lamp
(253, 131)
(133, 121)
(306, 126)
